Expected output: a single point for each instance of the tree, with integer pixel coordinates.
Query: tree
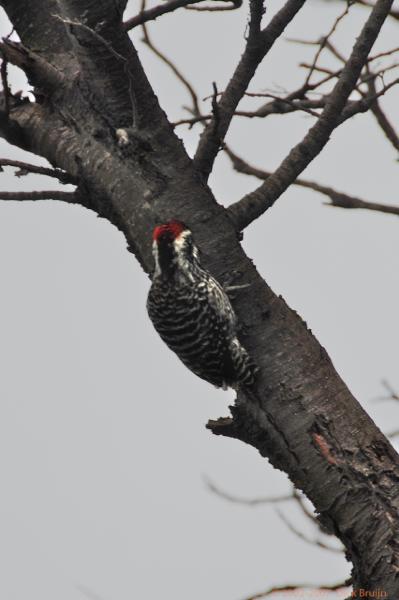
(98, 122)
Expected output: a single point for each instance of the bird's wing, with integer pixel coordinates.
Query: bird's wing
(221, 304)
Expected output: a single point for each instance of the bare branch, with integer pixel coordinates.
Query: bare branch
(302, 536)
(381, 117)
(382, 54)
(282, 106)
(257, 202)
(246, 501)
(393, 394)
(279, 106)
(29, 168)
(296, 99)
(324, 42)
(258, 44)
(363, 105)
(70, 197)
(344, 201)
(153, 13)
(339, 199)
(308, 514)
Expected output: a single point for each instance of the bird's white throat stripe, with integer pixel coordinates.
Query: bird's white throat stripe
(155, 254)
(181, 240)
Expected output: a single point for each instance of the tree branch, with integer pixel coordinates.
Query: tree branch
(339, 199)
(247, 501)
(381, 117)
(365, 104)
(303, 537)
(70, 197)
(344, 201)
(283, 106)
(324, 42)
(29, 168)
(257, 202)
(258, 44)
(153, 13)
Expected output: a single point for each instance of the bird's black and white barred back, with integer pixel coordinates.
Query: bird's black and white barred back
(192, 313)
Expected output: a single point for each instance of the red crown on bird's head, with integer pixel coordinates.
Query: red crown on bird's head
(170, 230)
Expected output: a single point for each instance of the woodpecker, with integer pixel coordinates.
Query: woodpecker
(192, 312)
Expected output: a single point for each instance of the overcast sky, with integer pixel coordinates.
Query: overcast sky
(103, 448)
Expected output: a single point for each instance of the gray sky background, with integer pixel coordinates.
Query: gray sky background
(102, 438)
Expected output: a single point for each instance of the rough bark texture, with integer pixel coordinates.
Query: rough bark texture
(305, 420)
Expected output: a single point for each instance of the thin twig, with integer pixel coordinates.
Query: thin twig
(324, 42)
(303, 537)
(297, 98)
(281, 106)
(334, 52)
(308, 514)
(246, 501)
(393, 394)
(192, 121)
(285, 105)
(153, 13)
(363, 105)
(380, 115)
(382, 54)
(338, 199)
(27, 167)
